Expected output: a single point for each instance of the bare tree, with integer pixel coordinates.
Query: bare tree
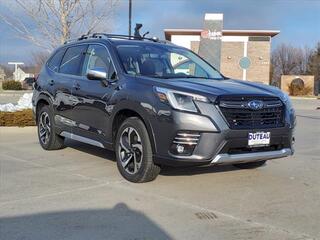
(38, 59)
(52, 22)
(287, 59)
(7, 71)
(314, 67)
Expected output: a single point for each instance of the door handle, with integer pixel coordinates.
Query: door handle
(76, 86)
(51, 82)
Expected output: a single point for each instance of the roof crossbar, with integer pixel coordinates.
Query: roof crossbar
(118, 36)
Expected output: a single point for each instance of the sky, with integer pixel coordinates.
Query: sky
(298, 20)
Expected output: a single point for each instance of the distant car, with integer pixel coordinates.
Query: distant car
(27, 83)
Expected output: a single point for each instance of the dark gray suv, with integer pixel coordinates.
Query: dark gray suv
(155, 104)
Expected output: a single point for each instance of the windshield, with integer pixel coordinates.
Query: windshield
(164, 61)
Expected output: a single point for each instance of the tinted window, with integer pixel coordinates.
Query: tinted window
(71, 62)
(98, 57)
(55, 60)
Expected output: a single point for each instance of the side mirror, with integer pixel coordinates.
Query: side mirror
(97, 74)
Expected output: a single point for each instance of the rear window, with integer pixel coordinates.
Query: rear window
(55, 60)
(71, 62)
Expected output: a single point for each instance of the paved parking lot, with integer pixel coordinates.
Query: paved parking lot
(77, 193)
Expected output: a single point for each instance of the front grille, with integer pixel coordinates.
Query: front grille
(240, 116)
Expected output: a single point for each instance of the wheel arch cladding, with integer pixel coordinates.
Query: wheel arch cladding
(122, 115)
(43, 101)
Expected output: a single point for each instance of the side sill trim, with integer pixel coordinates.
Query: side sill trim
(250, 157)
(81, 139)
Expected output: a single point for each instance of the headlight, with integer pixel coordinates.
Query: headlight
(291, 116)
(286, 100)
(180, 100)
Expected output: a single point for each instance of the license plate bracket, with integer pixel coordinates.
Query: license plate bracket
(258, 139)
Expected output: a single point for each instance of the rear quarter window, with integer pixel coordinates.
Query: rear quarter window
(55, 60)
(72, 60)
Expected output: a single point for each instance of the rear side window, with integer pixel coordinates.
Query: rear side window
(72, 59)
(55, 60)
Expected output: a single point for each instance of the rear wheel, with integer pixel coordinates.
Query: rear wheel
(48, 139)
(250, 165)
(134, 152)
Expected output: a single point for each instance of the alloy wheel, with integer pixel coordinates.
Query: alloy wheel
(44, 128)
(130, 150)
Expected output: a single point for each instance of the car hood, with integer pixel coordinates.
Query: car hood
(214, 88)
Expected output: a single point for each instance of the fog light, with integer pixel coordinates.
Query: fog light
(180, 148)
(184, 143)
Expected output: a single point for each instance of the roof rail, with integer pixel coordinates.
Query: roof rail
(84, 36)
(119, 36)
(99, 35)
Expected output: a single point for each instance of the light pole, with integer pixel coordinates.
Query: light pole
(130, 16)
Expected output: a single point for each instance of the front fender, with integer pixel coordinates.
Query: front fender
(144, 110)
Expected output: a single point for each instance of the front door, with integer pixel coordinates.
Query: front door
(92, 110)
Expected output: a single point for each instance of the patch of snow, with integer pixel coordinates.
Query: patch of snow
(25, 102)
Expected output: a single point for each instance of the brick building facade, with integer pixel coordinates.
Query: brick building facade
(245, 54)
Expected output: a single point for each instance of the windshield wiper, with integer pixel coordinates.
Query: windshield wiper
(191, 76)
(175, 76)
(157, 76)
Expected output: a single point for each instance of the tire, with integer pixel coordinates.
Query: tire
(250, 165)
(47, 136)
(134, 152)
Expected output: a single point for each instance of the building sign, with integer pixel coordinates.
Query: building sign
(210, 40)
(213, 35)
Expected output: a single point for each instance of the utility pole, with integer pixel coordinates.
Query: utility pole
(130, 16)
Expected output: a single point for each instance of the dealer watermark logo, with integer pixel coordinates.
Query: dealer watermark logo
(255, 104)
(213, 35)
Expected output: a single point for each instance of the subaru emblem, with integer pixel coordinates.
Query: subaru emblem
(255, 104)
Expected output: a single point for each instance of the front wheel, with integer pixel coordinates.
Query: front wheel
(250, 165)
(134, 152)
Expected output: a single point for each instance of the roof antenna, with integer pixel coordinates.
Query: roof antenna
(137, 31)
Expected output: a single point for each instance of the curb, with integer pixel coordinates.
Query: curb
(305, 98)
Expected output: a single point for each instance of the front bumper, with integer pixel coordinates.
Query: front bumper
(251, 157)
(218, 144)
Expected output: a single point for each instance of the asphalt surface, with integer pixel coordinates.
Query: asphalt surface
(77, 193)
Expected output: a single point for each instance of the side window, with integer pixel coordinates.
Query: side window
(71, 62)
(98, 57)
(55, 60)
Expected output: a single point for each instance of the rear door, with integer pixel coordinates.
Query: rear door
(69, 72)
(91, 112)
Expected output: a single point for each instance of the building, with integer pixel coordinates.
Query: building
(239, 54)
(2, 74)
(20, 75)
